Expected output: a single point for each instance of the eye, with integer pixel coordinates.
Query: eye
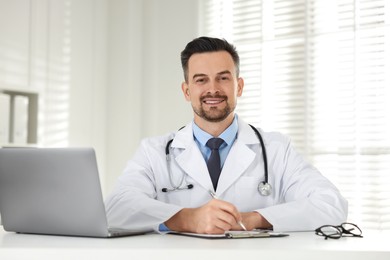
(224, 78)
(201, 80)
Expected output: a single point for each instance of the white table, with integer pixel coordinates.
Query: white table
(300, 245)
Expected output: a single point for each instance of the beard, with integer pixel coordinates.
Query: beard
(214, 114)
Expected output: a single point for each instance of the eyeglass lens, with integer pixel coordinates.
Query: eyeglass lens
(351, 229)
(329, 231)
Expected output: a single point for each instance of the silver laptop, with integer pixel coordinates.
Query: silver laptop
(53, 191)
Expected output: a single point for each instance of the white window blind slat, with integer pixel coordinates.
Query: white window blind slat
(318, 72)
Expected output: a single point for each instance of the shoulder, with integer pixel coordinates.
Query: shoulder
(275, 137)
(177, 137)
(247, 133)
(157, 141)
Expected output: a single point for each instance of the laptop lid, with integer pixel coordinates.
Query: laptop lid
(51, 191)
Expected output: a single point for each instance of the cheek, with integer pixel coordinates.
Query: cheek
(194, 94)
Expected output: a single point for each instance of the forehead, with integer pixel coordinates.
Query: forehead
(210, 63)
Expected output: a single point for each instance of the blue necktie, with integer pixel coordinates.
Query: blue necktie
(214, 162)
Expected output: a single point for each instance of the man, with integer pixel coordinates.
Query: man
(187, 192)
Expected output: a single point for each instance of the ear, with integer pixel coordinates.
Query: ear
(186, 91)
(240, 86)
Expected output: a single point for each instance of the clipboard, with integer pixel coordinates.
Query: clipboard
(234, 234)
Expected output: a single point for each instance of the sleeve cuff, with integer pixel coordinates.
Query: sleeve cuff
(163, 228)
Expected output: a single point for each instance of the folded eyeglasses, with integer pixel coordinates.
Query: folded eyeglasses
(335, 232)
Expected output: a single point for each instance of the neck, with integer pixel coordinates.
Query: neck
(214, 128)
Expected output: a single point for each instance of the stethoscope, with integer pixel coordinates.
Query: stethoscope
(264, 187)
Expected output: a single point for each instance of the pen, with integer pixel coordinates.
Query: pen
(239, 222)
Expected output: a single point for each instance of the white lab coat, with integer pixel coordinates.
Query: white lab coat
(302, 199)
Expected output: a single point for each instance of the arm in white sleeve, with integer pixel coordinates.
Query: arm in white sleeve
(133, 204)
(307, 199)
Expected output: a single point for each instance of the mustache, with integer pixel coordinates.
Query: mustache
(213, 96)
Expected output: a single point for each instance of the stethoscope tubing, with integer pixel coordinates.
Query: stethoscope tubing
(190, 186)
(264, 153)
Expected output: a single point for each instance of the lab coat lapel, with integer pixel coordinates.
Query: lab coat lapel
(190, 159)
(239, 159)
(193, 163)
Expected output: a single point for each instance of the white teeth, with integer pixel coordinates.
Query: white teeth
(212, 102)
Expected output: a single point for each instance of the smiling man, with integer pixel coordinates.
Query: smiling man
(218, 173)
(212, 87)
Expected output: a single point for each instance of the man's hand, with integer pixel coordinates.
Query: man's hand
(252, 220)
(215, 217)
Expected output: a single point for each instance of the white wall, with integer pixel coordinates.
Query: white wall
(108, 72)
(88, 91)
(145, 38)
(124, 86)
(14, 43)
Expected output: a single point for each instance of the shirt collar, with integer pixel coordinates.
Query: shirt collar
(229, 135)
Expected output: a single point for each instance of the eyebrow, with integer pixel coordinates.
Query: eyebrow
(199, 75)
(219, 74)
(224, 72)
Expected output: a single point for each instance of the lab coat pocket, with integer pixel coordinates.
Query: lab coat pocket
(247, 197)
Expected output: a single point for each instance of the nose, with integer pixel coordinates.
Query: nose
(213, 87)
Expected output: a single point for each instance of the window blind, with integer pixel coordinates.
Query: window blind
(318, 71)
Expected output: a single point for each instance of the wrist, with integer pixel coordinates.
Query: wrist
(262, 221)
(179, 221)
(255, 220)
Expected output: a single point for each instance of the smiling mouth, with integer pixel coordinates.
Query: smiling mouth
(213, 100)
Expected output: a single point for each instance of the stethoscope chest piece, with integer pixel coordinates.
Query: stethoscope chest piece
(264, 188)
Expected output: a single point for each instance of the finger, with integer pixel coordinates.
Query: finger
(221, 226)
(236, 227)
(213, 224)
(226, 218)
(228, 208)
(225, 212)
